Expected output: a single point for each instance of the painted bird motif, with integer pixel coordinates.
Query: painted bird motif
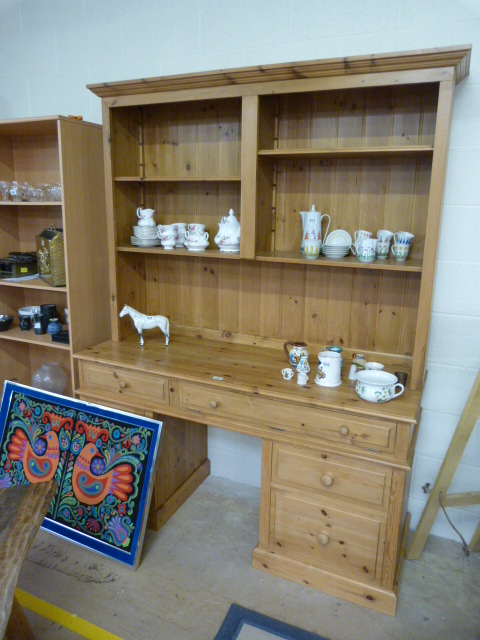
(91, 484)
(39, 459)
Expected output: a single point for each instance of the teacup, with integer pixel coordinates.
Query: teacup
(400, 252)
(377, 386)
(287, 373)
(382, 249)
(384, 235)
(167, 235)
(166, 228)
(365, 250)
(196, 237)
(196, 227)
(168, 242)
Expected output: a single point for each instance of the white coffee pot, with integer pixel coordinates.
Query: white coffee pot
(145, 217)
(312, 226)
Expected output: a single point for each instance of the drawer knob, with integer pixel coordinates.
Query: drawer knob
(324, 538)
(326, 479)
(214, 404)
(344, 430)
(123, 385)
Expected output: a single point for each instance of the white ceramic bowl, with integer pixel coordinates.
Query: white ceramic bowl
(29, 312)
(377, 386)
(145, 232)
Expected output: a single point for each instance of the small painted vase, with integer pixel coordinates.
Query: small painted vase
(54, 327)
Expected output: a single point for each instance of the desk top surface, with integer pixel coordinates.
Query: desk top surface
(244, 368)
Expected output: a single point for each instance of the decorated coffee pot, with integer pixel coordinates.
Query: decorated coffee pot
(228, 236)
(312, 227)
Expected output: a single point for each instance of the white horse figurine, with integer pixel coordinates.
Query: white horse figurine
(141, 322)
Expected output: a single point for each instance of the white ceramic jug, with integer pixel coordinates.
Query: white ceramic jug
(145, 217)
(312, 226)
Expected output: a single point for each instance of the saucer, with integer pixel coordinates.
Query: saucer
(338, 238)
(196, 247)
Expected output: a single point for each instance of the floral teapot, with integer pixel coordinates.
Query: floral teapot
(228, 236)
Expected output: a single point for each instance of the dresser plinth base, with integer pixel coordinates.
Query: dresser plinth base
(368, 596)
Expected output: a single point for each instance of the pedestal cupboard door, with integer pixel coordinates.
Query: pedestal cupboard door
(313, 530)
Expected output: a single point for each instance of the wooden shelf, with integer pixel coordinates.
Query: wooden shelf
(29, 337)
(350, 262)
(33, 284)
(208, 253)
(350, 152)
(178, 179)
(10, 203)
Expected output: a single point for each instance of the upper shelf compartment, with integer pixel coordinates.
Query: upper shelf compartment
(190, 141)
(29, 151)
(376, 121)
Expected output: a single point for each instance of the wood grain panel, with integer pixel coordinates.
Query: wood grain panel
(126, 153)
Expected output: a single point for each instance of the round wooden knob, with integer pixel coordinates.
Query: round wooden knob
(344, 430)
(327, 479)
(214, 404)
(324, 538)
(123, 385)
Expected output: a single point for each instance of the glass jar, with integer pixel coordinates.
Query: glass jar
(50, 377)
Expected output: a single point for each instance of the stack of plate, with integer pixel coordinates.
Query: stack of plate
(337, 244)
(145, 237)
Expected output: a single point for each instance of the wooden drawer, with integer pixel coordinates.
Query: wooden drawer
(124, 383)
(313, 530)
(292, 418)
(360, 482)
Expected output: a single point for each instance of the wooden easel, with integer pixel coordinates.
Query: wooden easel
(439, 493)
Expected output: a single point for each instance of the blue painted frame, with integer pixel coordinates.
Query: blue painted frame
(238, 616)
(103, 460)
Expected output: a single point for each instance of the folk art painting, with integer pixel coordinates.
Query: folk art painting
(103, 460)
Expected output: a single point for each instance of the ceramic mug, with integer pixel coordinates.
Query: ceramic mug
(360, 235)
(329, 369)
(311, 248)
(365, 250)
(403, 238)
(400, 252)
(382, 249)
(384, 235)
(377, 386)
(287, 373)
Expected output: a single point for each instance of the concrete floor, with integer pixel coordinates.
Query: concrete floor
(200, 562)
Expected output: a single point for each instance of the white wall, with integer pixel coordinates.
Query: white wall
(50, 49)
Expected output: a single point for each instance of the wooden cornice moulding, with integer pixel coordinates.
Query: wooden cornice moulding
(457, 57)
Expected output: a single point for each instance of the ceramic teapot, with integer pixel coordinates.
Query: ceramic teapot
(228, 236)
(298, 350)
(145, 217)
(312, 227)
